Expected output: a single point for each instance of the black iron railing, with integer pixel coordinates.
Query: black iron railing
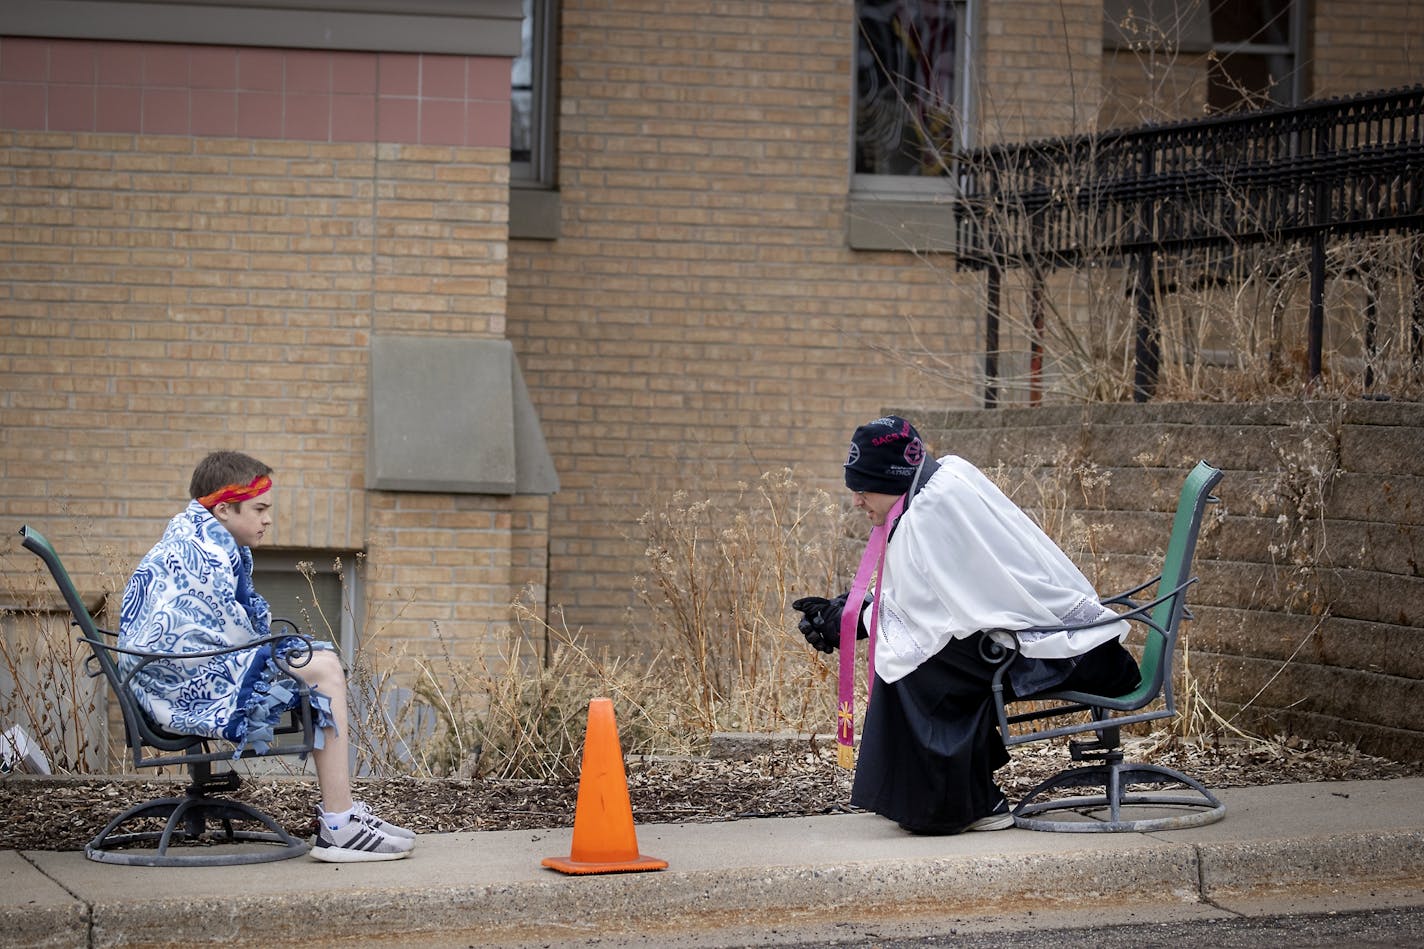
(1277, 176)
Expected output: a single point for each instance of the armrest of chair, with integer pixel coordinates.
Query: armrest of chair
(294, 657)
(1006, 645)
(1125, 597)
(1139, 611)
(298, 654)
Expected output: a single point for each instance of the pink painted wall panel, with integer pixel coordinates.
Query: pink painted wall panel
(70, 108)
(73, 62)
(353, 73)
(442, 122)
(213, 67)
(309, 73)
(312, 95)
(307, 116)
(485, 77)
(442, 77)
(487, 124)
(260, 70)
(353, 118)
(118, 109)
(397, 119)
(165, 112)
(22, 105)
(120, 64)
(259, 115)
(165, 65)
(214, 113)
(399, 74)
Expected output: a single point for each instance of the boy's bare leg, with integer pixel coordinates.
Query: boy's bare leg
(333, 763)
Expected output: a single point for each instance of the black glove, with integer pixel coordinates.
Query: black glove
(812, 626)
(821, 622)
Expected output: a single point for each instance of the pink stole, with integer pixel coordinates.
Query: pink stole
(872, 562)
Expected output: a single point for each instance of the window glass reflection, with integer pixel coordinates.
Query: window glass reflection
(906, 58)
(521, 96)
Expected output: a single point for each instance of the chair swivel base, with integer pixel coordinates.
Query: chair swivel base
(1201, 807)
(185, 820)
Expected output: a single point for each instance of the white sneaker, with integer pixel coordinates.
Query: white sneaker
(362, 812)
(358, 842)
(1000, 819)
(992, 822)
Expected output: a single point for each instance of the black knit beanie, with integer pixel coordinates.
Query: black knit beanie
(883, 456)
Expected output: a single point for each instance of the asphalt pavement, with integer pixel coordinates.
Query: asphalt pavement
(1289, 848)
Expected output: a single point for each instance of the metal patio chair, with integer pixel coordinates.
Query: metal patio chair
(1159, 619)
(184, 818)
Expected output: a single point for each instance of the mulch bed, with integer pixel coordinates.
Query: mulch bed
(64, 813)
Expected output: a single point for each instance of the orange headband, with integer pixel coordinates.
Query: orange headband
(232, 493)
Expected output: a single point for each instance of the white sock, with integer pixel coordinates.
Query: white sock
(336, 821)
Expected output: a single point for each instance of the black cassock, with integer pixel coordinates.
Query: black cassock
(931, 744)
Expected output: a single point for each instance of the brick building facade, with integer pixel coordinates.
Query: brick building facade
(206, 226)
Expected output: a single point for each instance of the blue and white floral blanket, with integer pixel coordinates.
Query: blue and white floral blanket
(193, 593)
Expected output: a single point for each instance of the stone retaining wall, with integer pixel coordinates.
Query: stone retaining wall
(1309, 618)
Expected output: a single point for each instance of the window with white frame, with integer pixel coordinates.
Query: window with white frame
(911, 108)
(911, 103)
(1251, 52)
(1255, 54)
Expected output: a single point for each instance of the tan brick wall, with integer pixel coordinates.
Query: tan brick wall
(1150, 86)
(1363, 45)
(166, 296)
(157, 314)
(1039, 70)
(443, 570)
(442, 221)
(701, 319)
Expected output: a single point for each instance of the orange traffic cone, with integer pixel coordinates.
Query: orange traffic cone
(604, 839)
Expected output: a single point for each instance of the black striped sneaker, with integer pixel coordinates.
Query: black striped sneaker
(357, 842)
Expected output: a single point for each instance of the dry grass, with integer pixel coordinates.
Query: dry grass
(717, 648)
(44, 691)
(721, 576)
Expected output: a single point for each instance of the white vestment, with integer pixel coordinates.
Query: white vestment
(965, 559)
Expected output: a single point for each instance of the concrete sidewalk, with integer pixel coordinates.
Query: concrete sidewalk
(1308, 847)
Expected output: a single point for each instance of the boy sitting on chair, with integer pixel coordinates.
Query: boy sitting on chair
(193, 592)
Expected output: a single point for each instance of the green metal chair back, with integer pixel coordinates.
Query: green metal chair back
(1162, 617)
(1155, 662)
